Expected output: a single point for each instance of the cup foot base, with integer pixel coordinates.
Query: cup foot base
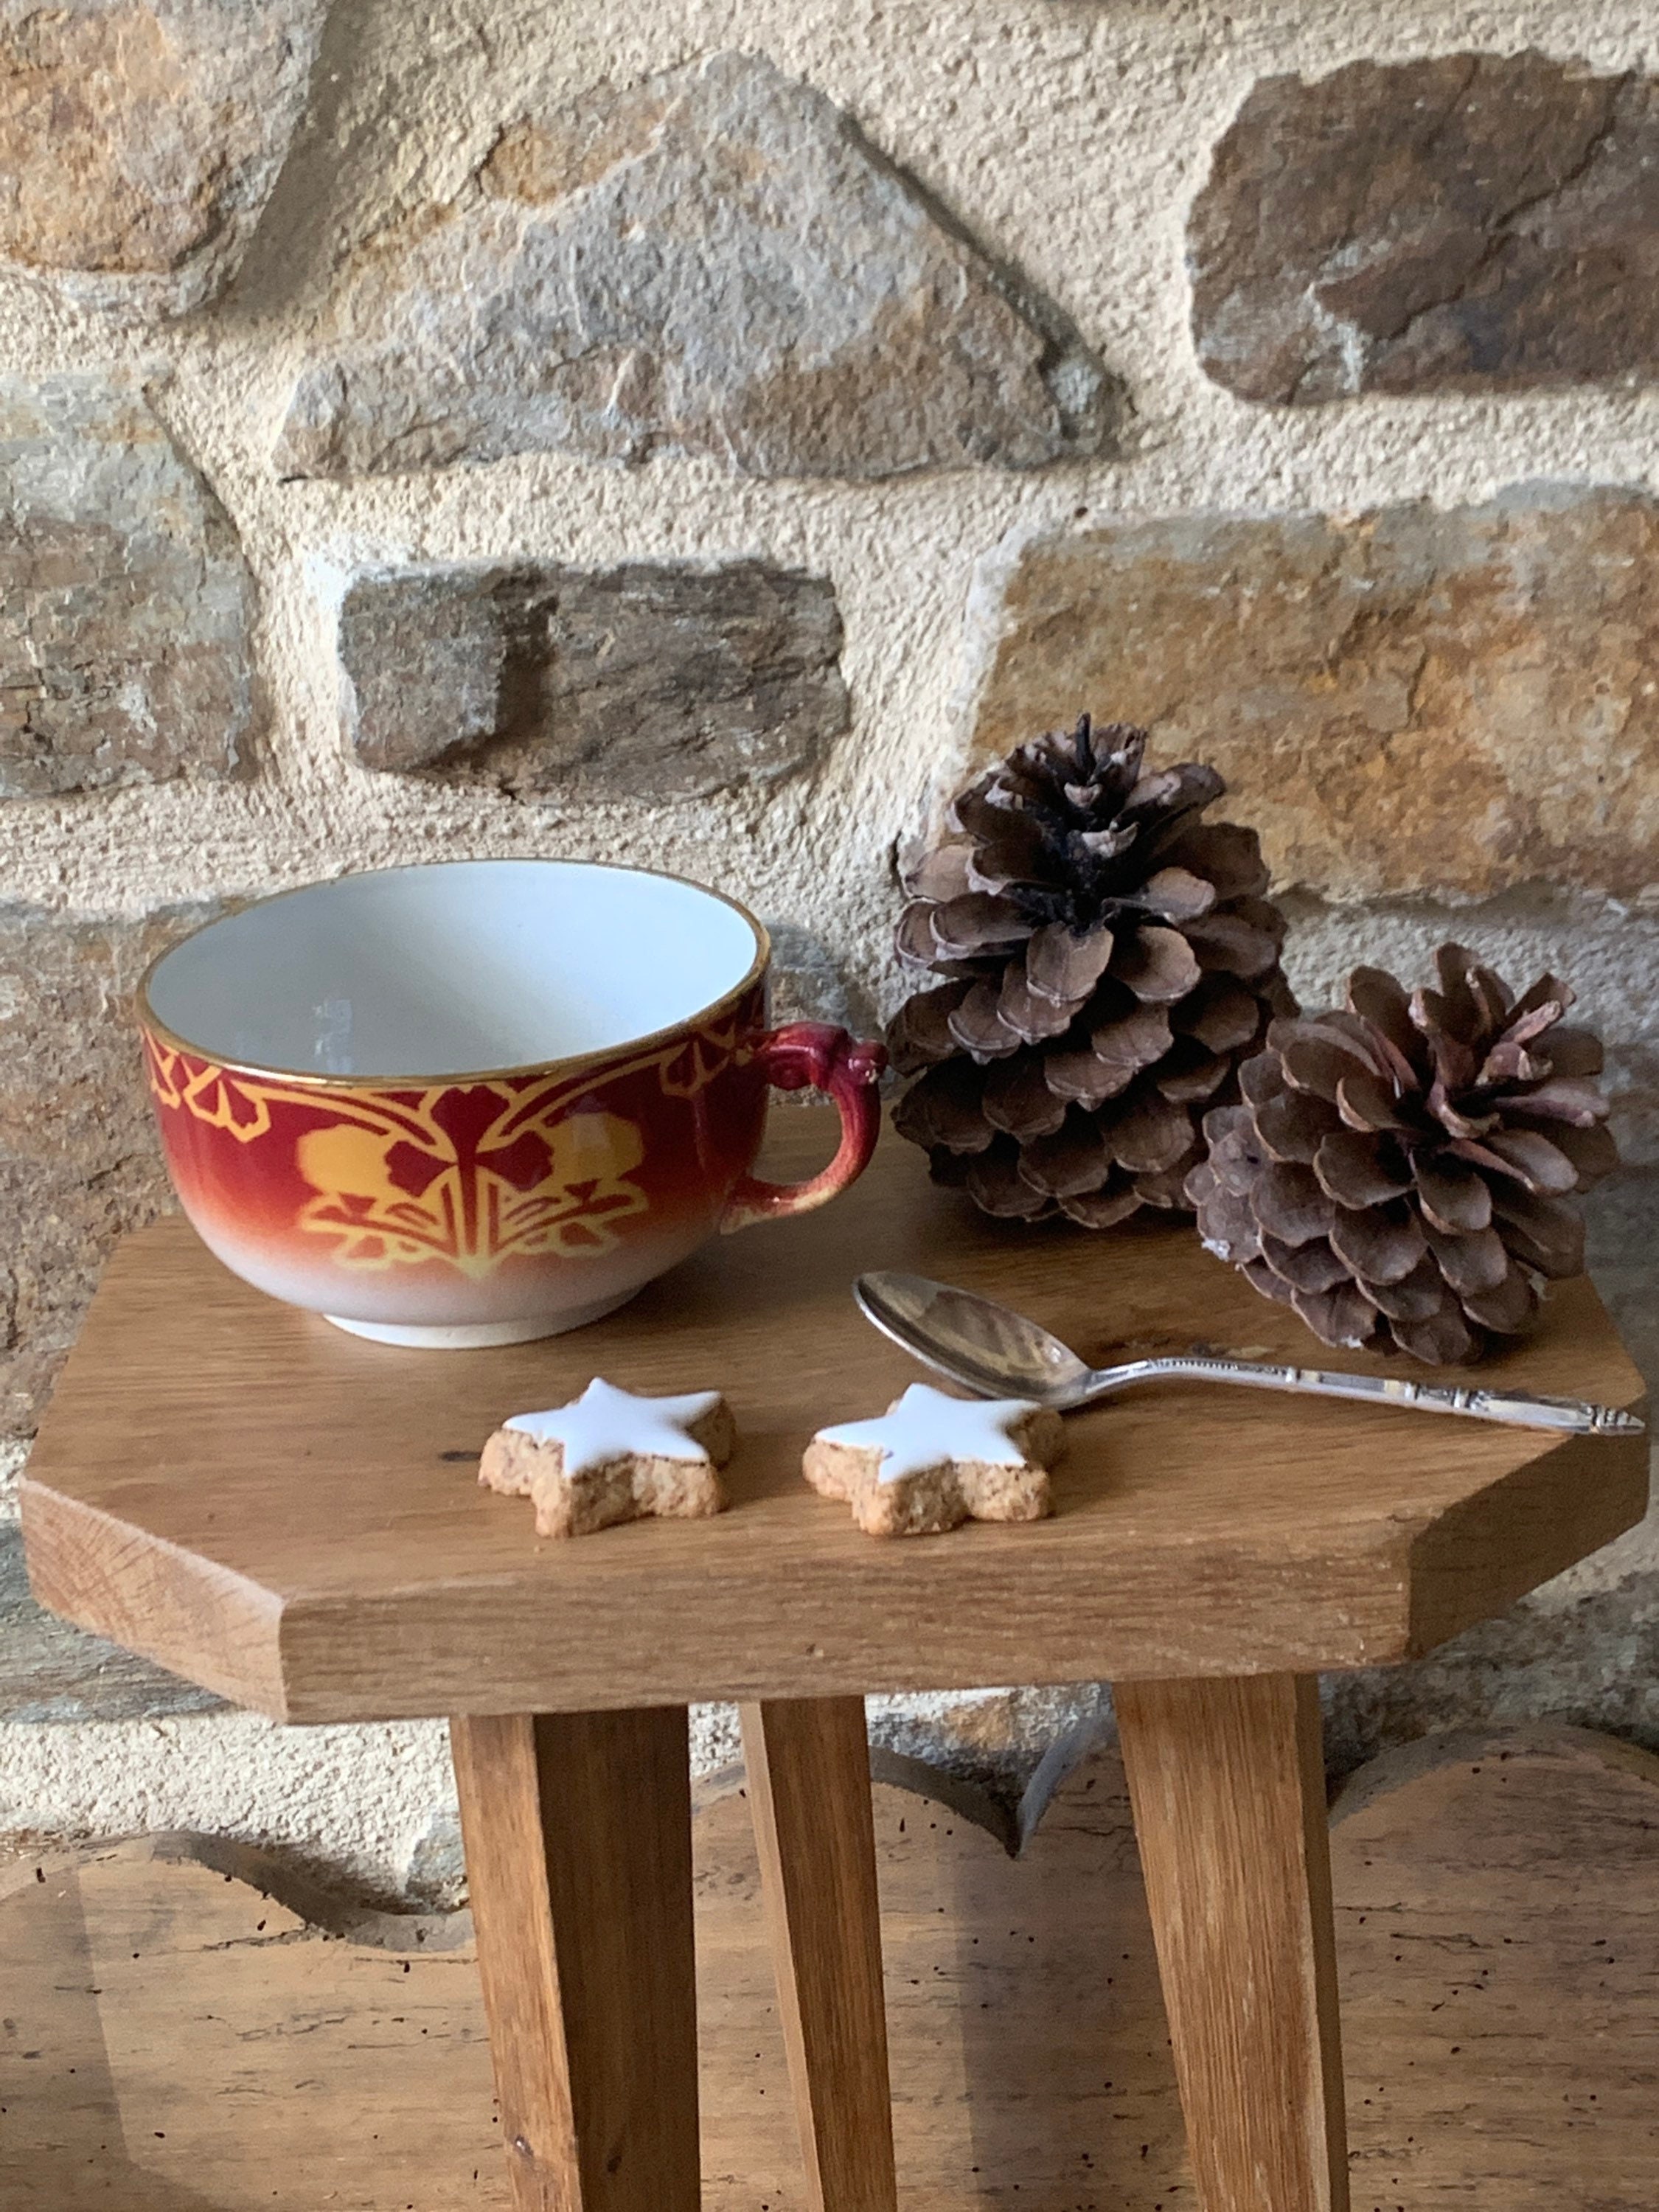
(474, 1336)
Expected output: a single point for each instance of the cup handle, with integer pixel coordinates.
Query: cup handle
(813, 1054)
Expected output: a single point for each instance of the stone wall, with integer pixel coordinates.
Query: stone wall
(698, 433)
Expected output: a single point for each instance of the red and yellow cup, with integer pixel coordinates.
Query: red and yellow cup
(482, 1101)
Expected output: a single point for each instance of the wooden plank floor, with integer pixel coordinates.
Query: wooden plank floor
(172, 2041)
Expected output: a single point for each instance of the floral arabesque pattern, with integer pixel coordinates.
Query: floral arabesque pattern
(465, 1173)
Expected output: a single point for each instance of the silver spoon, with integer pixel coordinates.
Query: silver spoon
(1000, 1354)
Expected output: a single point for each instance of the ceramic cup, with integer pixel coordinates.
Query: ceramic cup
(483, 1101)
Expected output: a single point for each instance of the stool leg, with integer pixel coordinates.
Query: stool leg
(809, 1789)
(578, 1834)
(1229, 1794)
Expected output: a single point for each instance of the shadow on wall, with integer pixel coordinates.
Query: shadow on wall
(1623, 1218)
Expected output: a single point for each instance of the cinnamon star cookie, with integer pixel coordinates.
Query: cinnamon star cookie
(611, 1455)
(930, 1462)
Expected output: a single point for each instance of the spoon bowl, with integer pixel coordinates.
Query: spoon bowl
(991, 1348)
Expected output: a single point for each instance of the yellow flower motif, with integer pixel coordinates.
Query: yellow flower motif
(466, 1173)
(462, 1186)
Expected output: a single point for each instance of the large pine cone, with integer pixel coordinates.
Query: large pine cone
(1400, 1172)
(1109, 957)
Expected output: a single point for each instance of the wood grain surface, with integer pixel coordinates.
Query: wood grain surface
(289, 1515)
(50, 1672)
(1228, 1787)
(808, 1768)
(578, 1835)
(177, 2041)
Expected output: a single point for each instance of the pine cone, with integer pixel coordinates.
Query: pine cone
(1108, 957)
(1399, 1172)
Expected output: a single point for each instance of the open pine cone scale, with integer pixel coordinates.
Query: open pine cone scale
(1398, 1170)
(1107, 958)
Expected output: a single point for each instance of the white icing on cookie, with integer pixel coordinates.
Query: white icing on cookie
(925, 1428)
(606, 1424)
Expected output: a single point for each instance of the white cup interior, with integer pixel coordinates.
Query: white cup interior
(453, 969)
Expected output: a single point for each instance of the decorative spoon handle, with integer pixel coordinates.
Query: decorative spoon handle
(1520, 1409)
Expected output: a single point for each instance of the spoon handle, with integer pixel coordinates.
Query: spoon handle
(1520, 1409)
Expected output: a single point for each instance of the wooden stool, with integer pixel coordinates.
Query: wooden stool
(287, 1515)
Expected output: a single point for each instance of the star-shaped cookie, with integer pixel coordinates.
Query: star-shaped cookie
(930, 1462)
(611, 1455)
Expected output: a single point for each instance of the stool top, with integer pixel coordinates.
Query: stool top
(291, 1517)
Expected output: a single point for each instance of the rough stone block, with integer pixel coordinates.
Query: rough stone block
(125, 601)
(808, 984)
(646, 683)
(1411, 699)
(716, 262)
(1594, 1663)
(78, 1158)
(140, 139)
(1470, 222)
